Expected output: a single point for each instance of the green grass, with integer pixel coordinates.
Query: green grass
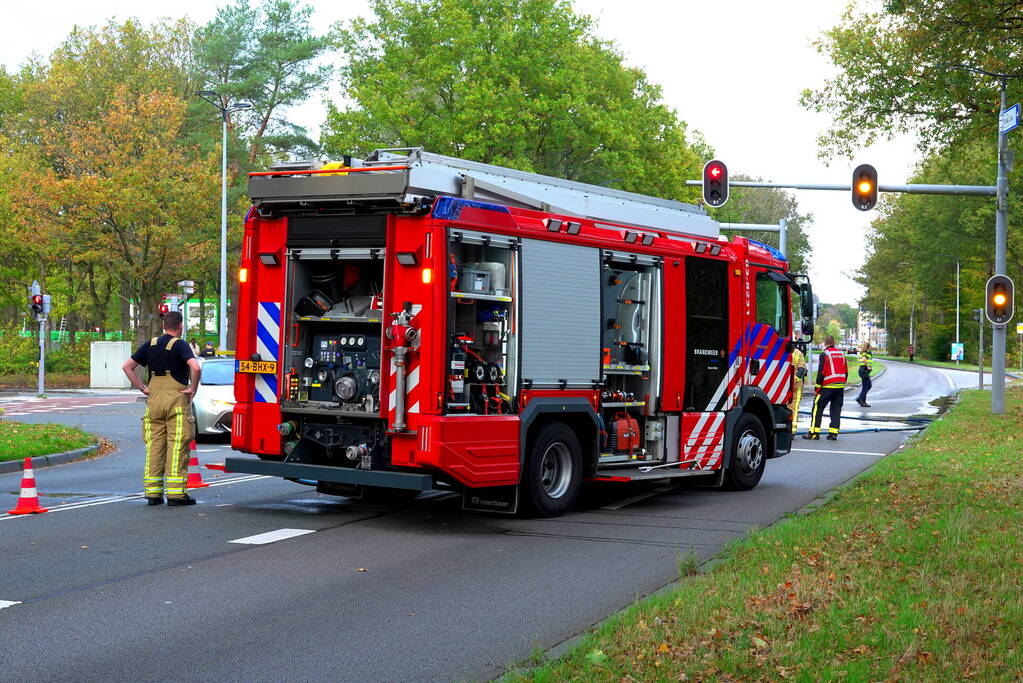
(912, 572)
(854, 369)
(20, 440)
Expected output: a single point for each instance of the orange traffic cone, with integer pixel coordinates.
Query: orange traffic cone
(194, 475)
(28, 501)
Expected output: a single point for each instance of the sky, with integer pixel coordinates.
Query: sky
(747, 108)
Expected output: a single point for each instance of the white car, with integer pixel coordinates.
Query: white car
(214, 399)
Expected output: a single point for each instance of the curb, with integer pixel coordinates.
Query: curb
(48, 460)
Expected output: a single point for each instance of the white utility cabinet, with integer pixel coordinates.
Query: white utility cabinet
(105, 361)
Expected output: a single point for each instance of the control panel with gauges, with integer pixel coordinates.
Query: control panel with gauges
(342, 369)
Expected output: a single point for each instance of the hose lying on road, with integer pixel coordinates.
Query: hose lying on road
(883, 418)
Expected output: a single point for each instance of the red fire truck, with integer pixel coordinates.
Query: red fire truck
(413, 321)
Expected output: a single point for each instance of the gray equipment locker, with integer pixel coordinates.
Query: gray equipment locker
(560, 314)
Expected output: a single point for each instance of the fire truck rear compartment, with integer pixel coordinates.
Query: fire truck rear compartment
(332, 359)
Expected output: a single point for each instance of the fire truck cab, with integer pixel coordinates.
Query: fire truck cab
(412, 321)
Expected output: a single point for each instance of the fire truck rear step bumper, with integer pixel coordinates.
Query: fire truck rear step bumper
(342, 475)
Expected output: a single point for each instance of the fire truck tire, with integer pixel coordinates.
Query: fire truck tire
(554, 470)
(748, 456)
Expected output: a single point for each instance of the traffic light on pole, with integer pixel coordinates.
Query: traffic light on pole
(999, 300)
(864, 187)
(164, 310)
(715, 183)
(36, 302)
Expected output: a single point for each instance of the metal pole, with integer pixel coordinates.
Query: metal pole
(42, 355)
(886, 327)
(980, 355)
(223, 236)
(998, 331)
(783, 237)
(957, 309)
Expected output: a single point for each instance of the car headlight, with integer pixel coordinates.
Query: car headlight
(213, 404)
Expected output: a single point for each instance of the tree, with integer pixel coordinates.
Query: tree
(266, 56)
(518, 83)
(893, 70)
(127, 198)
(768, 206)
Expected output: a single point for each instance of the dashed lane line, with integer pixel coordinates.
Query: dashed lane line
(9, 603)
(272, 536)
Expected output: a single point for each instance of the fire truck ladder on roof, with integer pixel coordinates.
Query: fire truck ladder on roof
(406, 175)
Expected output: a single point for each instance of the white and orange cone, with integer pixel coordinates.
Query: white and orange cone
(28, 501)
(194, 475)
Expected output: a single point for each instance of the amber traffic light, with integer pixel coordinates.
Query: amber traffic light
(864, 187)
(999, 300)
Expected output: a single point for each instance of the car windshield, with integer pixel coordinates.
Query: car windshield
(217, 372)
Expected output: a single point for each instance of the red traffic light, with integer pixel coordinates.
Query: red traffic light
(164, 308)
(715, 183)
(37, 299)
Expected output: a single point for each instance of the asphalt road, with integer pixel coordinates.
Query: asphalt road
(108, 587)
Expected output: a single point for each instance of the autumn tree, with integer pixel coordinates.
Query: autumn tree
(519, 83)
(126, 197)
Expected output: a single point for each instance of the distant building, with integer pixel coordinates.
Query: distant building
(868, 329)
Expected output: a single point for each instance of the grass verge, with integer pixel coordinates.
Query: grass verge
(21, 440)
(909, 573)
(854, 370)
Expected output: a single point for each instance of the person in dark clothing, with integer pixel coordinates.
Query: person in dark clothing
(208, 351)
(167, 426)
(832, 374)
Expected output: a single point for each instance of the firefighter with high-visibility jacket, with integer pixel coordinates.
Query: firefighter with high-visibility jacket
(798, 380)
(832, 374)
(167, 426)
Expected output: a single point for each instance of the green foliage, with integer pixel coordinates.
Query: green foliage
(519, 83)
(893, 72)
(760, 205)
(18, 354)
(265, 56)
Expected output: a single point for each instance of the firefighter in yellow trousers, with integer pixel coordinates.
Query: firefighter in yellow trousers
(167, 426)
(798, 379)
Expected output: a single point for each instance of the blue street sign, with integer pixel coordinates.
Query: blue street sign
(1008, 119)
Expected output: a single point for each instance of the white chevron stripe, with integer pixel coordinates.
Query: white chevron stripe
(412, 381)
(776, 390)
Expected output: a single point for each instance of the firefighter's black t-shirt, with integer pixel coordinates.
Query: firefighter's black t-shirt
(158, 359)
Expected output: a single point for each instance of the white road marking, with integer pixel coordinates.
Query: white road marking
(272, 536)
(137, 496)
(637, 498)
(9, 603)
(813, 450)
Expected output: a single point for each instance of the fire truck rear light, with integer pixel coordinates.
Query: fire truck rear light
(243, 275)
(406, 258)
(573, 227)
(268, 259)
(427, 275)
(554, 224)
(631, 237)
(648, 240)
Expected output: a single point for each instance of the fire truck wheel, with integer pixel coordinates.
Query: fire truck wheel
(554, 470)
(749, 454)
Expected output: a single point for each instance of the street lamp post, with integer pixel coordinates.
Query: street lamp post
(225, 109)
